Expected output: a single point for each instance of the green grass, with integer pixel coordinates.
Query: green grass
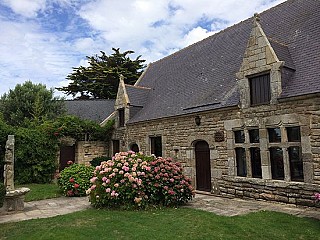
(41, 191)
(182, 223)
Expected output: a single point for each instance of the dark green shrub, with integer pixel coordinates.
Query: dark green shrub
(2, 194)
(75, 180)
(35, 155)
(98, 160)
(137, 181)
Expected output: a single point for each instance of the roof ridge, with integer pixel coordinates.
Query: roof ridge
(90, 100)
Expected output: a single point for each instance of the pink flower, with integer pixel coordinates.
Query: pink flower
(71, 180)
(108, 190)
(93, 187)
(92, 180)
(114, 194)
(104, 179)
(317, 196)
(76, 185)
(116, 185)
(165, 187)
(171, 192)
(171, 180)
(125, 168)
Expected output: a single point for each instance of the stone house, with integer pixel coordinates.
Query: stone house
(240, 109)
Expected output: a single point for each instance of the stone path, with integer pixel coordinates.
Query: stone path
(217, 205)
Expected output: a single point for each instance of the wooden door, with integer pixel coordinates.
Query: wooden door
(203, 168)
(67, 153)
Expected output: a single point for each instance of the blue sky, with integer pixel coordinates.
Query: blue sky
(42, 40)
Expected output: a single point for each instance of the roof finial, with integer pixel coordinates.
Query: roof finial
(256, 17)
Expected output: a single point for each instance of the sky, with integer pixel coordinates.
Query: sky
(42, 40)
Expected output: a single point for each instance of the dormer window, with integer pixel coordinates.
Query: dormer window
(121, 117)
(260, 92)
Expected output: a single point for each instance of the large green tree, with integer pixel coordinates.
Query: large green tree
(101, 78)
(30, 102)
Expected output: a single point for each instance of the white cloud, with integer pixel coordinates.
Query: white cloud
(27, 8)
(195, 35)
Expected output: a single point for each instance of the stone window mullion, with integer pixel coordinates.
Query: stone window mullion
(247, 150)
(286, 164)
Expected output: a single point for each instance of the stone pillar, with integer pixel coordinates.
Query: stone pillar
(9, 164)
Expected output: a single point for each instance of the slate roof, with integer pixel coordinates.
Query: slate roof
(137, 95)
(95, 110)
(202, 76)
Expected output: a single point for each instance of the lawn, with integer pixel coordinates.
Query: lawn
(41, 191)
(182, 223)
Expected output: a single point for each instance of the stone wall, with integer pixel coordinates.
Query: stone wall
(270, 190)
(87, 150)
(179, 134)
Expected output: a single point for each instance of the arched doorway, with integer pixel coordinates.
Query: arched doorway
(134, 147)
(203, 168)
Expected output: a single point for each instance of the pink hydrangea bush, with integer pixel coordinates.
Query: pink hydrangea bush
(133, 180)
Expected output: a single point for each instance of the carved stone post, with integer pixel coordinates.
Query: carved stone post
(9, 164)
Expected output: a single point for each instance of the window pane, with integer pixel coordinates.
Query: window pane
(115, 146)
(254, 135)
(274, 135)
(121, 117)
(241, 162)
(256, 162)
(296, 164)
(276, 159)
(293, 134)
(239, 136)
(156, 146)
(260, 89)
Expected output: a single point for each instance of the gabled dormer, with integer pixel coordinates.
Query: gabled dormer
(122, 104)
(259, 77)
(130, 100)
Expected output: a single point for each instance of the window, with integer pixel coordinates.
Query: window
(283, 153)
(255, 162)
(254, 135)
(260, 89)
(274, 135)
(296, 164)
(239, 136)
(156, 146)
(241, 162)
(121, 117)
(294, 151)
(293, 134)
(134, 147)
(276, 159)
